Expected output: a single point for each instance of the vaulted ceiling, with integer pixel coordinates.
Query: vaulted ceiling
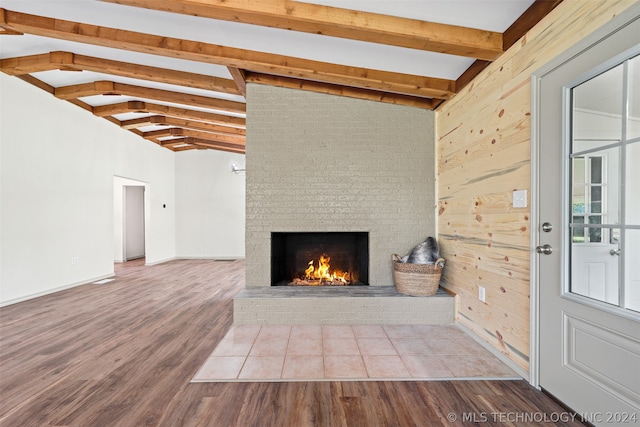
(175, 71)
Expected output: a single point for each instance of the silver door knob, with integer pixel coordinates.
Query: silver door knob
(544, 249)
(615, 252)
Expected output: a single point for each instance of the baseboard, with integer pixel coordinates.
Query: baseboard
(179, 257)
(217, 258)
(510, 363)
(54, 290)
(161, 261)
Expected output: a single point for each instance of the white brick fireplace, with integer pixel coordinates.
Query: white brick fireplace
(322, 163)
(318, 163)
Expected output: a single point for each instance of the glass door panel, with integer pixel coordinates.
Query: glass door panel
(632, 194)
(597, 110)
(604, 188)
(632, 273)
(633, 121)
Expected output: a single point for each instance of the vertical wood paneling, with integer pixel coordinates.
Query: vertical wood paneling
(483, 154)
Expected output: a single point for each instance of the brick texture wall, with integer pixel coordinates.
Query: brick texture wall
(319, 162)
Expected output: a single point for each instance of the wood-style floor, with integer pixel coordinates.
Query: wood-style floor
(123, 354)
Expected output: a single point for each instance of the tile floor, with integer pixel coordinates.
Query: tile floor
(348, 352)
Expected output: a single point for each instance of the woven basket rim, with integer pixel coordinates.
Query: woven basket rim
(406, 266)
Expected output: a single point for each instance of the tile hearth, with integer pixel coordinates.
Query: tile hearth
(349, 352)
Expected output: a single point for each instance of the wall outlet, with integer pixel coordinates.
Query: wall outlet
(481, 294)
(74, 260)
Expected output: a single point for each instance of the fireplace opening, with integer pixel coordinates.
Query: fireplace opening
(320, 259)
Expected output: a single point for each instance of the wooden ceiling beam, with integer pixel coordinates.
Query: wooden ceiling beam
(37, 83)
(207, 127)
(538, 10)
(267, 63)
(338, 22)
(173, 141)
(239, 78)
(5, 32)
(218, 137)
(186, 147)
(147, 107)
(332, 89)
(36, 63)
(214, 146)
(160, 75)
(104, 87)
(209, 143)
(183, 123)
(470, 73)
(231, 139)
(70, 61)
(163, 132)
(139, 123)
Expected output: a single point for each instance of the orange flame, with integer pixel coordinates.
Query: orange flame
(323, 272)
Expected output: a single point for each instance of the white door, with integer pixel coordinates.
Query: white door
(587, 129)
(133, 222)
(594, 197)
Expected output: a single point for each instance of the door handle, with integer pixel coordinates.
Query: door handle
(615, 252)
(544, 249)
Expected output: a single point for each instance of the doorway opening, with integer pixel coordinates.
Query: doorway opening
(130, 217)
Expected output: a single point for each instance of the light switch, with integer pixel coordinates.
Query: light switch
(520, 199)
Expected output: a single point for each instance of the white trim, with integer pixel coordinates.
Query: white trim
(58, 289)
(161, 261)
(534, 283)
(214, 258)
(177, 258)
(626, 17)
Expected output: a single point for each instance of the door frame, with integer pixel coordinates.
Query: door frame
(119, 182)
(629, 15)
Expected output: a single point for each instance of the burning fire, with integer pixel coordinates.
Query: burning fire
(323, 274)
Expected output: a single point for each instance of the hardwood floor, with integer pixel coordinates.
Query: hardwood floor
(123, 353)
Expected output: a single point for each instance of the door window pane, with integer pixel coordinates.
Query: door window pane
(595, 169)
(597, 110)
(596, 200)
(632, 192)
(595, 235)
(578, 231)
(633, 122)
(632, 271)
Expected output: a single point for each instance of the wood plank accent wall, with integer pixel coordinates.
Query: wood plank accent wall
(483, 154)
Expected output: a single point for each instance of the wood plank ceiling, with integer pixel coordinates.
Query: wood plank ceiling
(184, 106)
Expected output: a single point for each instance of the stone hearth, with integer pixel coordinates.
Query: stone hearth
(347, 305)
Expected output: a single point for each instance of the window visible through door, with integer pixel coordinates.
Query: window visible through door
(588, 198)
(604, 166)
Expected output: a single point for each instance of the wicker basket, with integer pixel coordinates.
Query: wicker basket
(417, 279)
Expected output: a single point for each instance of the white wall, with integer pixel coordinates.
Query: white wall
(56, 201)
(210, 205)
